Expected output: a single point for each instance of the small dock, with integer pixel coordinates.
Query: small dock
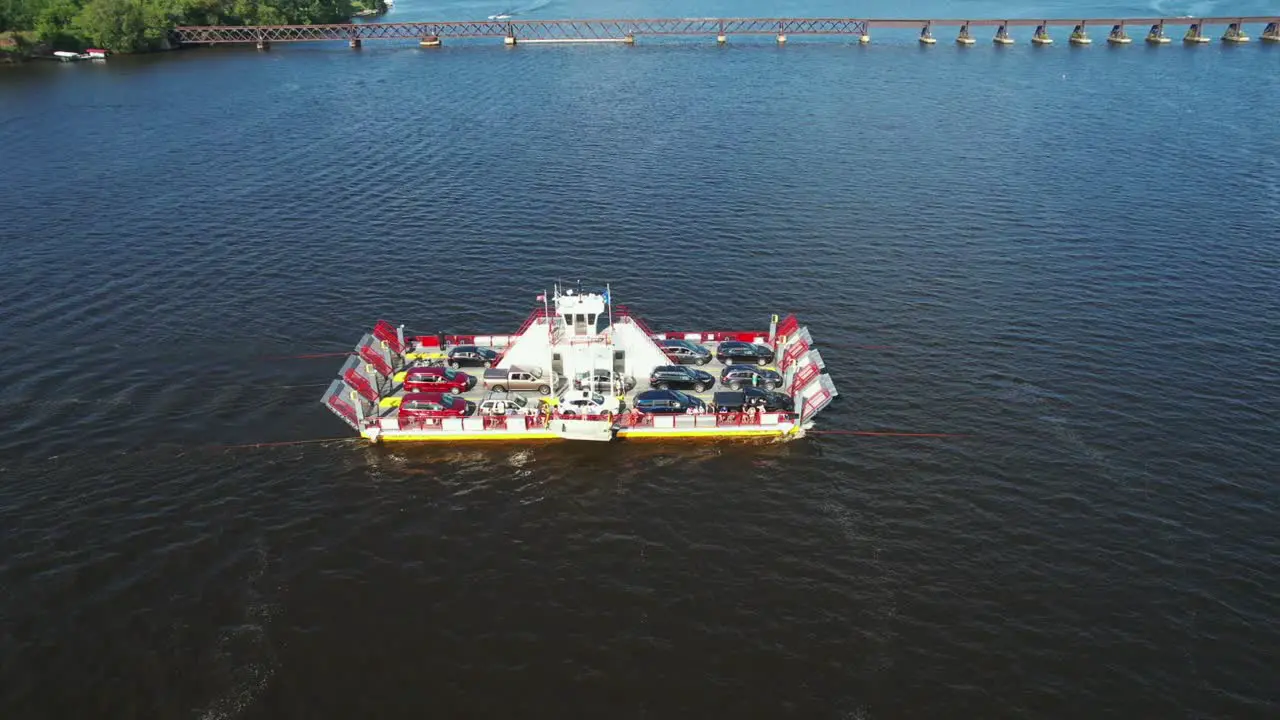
(511, 32)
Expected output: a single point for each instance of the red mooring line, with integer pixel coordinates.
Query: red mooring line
(308, 357)
(281, 444)
(868, 433)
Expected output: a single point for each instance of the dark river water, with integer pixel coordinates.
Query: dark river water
(1069, 256)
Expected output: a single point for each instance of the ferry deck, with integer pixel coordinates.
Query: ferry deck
(568, 336)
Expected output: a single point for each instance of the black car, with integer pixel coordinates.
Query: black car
(766, 400)
(472, 356)
(679, 376)
(734, 351)
(740, 376)
(666, 401)
(685, 352)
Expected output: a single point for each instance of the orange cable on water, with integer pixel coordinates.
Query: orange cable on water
(308, 357)
(283, 443)
(868, 433)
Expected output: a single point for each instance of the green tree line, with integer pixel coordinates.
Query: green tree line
(139, 25)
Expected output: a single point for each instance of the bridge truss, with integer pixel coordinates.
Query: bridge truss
(601, 30)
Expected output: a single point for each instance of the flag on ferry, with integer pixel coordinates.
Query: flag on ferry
(542, 298)
(606, 295)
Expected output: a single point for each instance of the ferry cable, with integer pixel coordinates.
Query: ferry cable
(869, 433)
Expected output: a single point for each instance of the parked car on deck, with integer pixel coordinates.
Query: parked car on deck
(734, 351)
(685, 352)
(503, 403)
(586, 402)
(740, 376)
(472, 356)
(680, 377)
(604, 381)
(434, 405)
(437, 379)
(746, 398)
(667, 402)
(520, 378)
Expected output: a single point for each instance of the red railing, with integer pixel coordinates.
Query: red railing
(361, 385)
(622, 311)
(345, 409)
(384, 331)
(792, 354)
(723, 419)
(787, 328)
(804, 376)
(719, 335)
(379, 363)
(535, 316)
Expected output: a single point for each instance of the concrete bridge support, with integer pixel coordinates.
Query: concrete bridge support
(429, 41)
(1002, 35)
(1118, 36)
(1194, 36)
(1156, 35)
(1271, 33)
(926, 34)
(1234, 34)
(1080, 36)
(964, 38)
(1041, 36)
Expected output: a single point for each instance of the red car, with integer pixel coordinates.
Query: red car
(437, 379)
(434, 405)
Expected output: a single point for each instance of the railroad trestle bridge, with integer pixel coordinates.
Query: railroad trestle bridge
(512, 31)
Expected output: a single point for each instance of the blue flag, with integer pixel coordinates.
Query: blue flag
(605, 295)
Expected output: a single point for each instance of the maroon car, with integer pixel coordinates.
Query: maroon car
(437, 379)
(434, 405)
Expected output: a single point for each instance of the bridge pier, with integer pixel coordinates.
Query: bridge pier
(1271, 33)
(354, 43)
(1080, 36)
(926, 34)
(429, 41)
(1234, 34)
(722, 38)
(964, 38)
(1117, 36)
(1002, 35)
(782, 39)
(1194, 36)
(509, 40)
(1041, 36)
(865, 37)
(264, 45)
(1156, 35)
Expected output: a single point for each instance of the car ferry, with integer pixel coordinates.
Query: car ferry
(582, 368)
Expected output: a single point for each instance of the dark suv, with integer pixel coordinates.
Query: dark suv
(472, 356)
(679, 376)
(734, 351)
(740, 376)
(666, 401)
(685, 352)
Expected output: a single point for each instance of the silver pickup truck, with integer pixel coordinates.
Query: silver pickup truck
(516, 378)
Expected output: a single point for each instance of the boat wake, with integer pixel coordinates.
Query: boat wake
(514, 11)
